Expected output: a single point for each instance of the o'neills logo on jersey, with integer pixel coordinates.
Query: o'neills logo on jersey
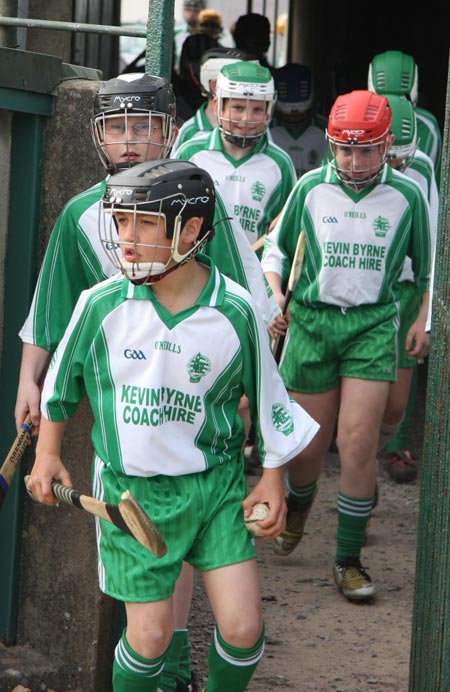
(282, 419)
(198, 366)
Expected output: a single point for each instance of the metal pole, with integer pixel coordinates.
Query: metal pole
(159, 47)
(71, 26)
(430, 646)
(8, 37)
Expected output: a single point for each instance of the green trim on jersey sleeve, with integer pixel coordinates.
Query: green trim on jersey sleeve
(70, 266)
(193, 127)
(223, 248)
(186, 151)
(414, 232)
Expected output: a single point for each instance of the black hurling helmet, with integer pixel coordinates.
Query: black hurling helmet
(171, 189)
(132, 95)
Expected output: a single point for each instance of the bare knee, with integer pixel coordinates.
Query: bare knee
(149, 642)
(244, 633)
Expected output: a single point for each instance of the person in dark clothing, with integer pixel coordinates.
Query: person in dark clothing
(252, 34)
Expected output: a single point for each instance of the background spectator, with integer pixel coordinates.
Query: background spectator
(252, 34)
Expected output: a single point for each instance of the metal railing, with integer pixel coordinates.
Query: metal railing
(72, 26)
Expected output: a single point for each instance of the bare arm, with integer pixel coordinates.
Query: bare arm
(48, 465)
(34, 361)
(279, 325)
(417, 339)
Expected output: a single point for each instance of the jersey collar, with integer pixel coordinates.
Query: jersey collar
(215, 143)
(212, 295)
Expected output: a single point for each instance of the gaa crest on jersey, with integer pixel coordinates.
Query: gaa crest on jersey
(282, 419)
(198, 366)
(381, 226)
(258, 191)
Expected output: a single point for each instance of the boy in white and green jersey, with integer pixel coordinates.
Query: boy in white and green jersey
(164, 354)
(253, 176)
(361, 218)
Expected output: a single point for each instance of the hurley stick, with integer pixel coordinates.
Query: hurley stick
(258, 244)
(128, 515)
(15, 454)
(296, 269)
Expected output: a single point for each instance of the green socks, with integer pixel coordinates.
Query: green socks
(178, 662)
(231, 668)
(301, 496)
(134, 673)
(353, 515)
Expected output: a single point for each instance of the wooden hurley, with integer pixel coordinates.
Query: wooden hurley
(128, 515)
(12, 460)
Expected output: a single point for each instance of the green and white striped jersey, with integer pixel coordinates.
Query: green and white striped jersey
(356, 244)
(165, 389)
(74, 261)
(421, 170)
(254, 188)
(197, 125)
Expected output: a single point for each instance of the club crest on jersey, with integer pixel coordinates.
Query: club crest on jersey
(381, 226)
(258, 191)
(282, 419)
(198, 366)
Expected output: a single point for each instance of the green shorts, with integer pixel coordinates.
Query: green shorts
(326, 344)
(410, 299)
(199, 515)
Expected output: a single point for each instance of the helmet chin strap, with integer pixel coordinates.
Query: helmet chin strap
(138, 272)
(242, 141)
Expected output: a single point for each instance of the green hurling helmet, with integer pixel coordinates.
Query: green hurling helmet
(247, 81)
(394, 72)
(404, 129)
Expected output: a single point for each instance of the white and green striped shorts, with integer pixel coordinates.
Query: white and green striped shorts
(325, 344)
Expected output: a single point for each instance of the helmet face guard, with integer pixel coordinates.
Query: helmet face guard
(358, 136)
(241, 84)
(164, 191)
(133, 110)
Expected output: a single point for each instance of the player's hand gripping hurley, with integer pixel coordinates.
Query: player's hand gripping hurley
(15, 454)
(296, 270)
(128, 515)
